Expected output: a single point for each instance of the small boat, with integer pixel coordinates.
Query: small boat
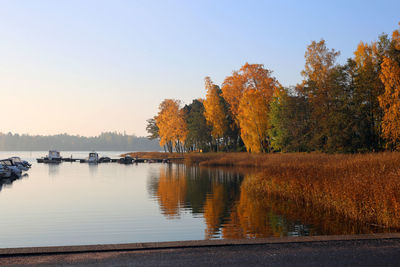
(15, 171)
(93, 157)
(23, 165)
(126, 160)
(53, 157)
(104, 160)
(5, 172)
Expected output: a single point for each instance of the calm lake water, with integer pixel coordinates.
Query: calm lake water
(77, 204)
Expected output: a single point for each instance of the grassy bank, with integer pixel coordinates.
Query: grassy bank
(362, 187)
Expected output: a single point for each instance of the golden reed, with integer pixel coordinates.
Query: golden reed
(362, 187)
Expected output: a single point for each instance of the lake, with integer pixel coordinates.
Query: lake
(80, 204)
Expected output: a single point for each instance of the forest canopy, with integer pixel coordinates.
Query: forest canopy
(350, 107)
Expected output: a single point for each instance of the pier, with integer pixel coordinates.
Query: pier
(123, 160)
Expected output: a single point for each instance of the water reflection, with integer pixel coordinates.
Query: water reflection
(54, 169)
(231, 211)
(93, 168)
(7, 182)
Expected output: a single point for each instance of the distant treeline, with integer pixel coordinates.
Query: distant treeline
(109, 141)
(350, 107)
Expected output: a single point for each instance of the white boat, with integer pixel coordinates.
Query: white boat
(21, 164)
(93, 157)
(53, 157)
(15, 171)
(5, 172)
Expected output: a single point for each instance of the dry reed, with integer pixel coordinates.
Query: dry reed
(362, 187)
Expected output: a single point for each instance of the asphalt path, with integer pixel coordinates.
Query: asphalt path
(380, 251)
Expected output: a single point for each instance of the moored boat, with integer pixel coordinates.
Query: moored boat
(5, 172)
(126, 160)
(21, 164)
(93, 157)
(15, 171)
(53, 157)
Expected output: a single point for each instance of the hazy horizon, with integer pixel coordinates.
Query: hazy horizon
(86, 67)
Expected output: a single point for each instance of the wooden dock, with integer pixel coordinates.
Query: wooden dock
(117, 160)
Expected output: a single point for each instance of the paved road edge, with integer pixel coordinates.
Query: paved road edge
(7, 252)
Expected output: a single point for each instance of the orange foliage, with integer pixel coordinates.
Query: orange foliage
(248, 93)
(171, 123)
(250, 76)
(214, 109)
(396, 38)
(390, 101)
(365, 55)
(253, 118)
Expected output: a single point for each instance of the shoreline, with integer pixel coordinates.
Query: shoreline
(50, 250)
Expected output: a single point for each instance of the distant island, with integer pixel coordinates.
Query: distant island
(108, 141)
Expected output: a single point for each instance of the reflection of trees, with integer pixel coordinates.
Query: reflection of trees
(171, 191)
(201, 190)
(232, 210)
(266, 216)
(213, 210)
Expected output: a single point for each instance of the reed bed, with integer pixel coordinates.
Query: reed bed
(361, 187)
(364, 188)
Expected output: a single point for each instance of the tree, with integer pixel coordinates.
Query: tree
(253, 119)
(172, 125)
(199, 132)
(289, 122)
(318, 87)
(250, 90)
(152, 129)
(250, 76)
(390, 102)
(367, 88)
(214, 111)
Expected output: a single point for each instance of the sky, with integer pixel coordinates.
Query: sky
(90, 66)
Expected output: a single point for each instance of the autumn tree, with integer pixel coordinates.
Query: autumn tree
(253, 118)
(319, 88)
(172, 125)
(248, 93)
(390, 102)
(214, 111)
(367, 88)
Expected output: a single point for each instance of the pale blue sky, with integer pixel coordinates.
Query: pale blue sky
(83, 67)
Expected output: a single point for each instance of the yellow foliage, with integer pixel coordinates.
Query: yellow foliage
(171, 122)
(396, 38)
(214, 109)
(248, 93)
(390, 101)
(250, 76)
(253, 119)
(365, 55)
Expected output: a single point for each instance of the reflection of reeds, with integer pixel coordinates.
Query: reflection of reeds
(365, 188)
